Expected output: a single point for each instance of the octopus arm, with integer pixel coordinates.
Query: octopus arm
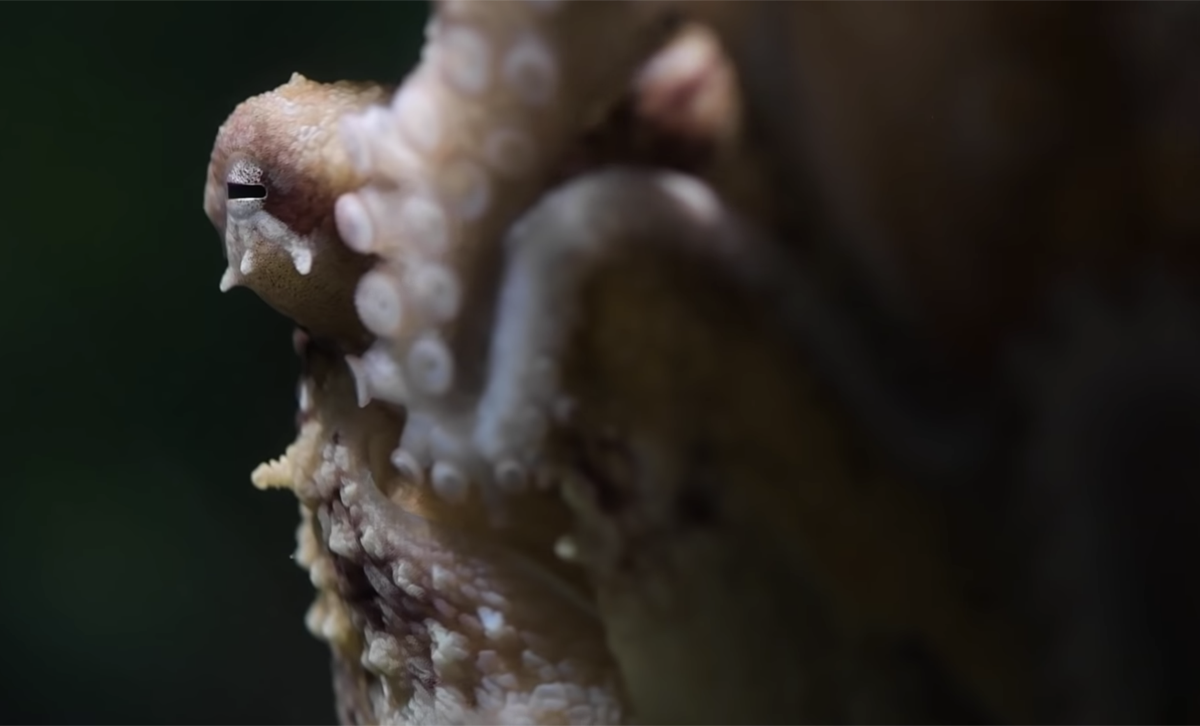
(637, 345)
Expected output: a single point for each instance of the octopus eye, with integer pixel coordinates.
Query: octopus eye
(235, 190)
(245, 193)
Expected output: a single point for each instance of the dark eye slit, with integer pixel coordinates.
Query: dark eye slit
(233, 190)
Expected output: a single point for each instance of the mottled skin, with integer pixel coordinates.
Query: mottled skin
(822, 457)
(434, 615)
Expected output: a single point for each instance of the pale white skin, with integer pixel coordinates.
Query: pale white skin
(461, 623)
(467, 144)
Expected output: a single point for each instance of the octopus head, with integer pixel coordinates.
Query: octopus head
(276, 170)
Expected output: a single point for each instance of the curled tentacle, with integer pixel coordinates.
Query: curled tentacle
(546, 265)
(638, 296)
(443, 190)
(470, 139)
(884, 383)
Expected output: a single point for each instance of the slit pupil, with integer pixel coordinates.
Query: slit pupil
(233, 190)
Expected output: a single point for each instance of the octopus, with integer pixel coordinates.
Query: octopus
(677, 362)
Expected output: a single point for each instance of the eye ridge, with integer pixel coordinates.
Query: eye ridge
(237, 190)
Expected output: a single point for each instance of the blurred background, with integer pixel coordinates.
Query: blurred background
(144, 580)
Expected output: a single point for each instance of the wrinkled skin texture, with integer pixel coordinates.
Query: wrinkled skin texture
(847, 371)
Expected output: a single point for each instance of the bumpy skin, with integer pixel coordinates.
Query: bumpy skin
(770, 444)
(433, 616)
(276, 170)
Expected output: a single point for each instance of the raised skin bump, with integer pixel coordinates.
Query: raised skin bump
(276, 171)
(459, 623)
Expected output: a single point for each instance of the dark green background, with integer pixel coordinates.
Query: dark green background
(143, 578)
